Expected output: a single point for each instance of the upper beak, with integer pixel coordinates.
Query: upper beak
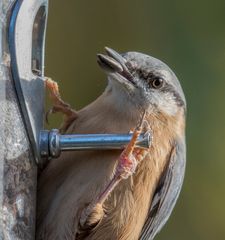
(114, 64)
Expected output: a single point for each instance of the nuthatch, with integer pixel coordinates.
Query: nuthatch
(104, 195)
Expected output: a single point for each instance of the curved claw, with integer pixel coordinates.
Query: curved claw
(59, 105)
(47, 115)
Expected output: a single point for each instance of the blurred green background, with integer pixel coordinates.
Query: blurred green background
(190, 37)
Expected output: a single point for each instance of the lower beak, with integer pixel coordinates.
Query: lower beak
(115, 65)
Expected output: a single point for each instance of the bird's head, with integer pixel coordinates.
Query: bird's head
(139, 81)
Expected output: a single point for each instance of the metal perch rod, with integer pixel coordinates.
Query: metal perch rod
(52, 143)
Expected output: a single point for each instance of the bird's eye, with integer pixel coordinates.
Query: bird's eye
(156, 82)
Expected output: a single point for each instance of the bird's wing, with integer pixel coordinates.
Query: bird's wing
(166, 193)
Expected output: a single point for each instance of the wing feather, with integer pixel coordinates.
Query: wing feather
(167, 192)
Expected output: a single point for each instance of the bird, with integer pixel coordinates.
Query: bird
(115, 194)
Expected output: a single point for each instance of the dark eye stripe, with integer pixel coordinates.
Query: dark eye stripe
(166, 88)
(144, 74)
(169, 88)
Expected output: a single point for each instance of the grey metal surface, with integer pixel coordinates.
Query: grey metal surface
(100, 141)
(52, 143)
(18, 171)
(26, 44)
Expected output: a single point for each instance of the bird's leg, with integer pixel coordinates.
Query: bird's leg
(59, 105)
(126, 166)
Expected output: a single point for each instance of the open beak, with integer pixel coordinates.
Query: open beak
(115, 65)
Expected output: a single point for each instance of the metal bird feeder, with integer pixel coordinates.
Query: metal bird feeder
(22, 26)
(25, 143)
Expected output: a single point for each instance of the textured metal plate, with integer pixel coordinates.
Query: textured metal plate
(26, 43)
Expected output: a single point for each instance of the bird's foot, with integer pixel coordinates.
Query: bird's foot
(127, 164)
(127, 161)
(59, 105)
(132, 155)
